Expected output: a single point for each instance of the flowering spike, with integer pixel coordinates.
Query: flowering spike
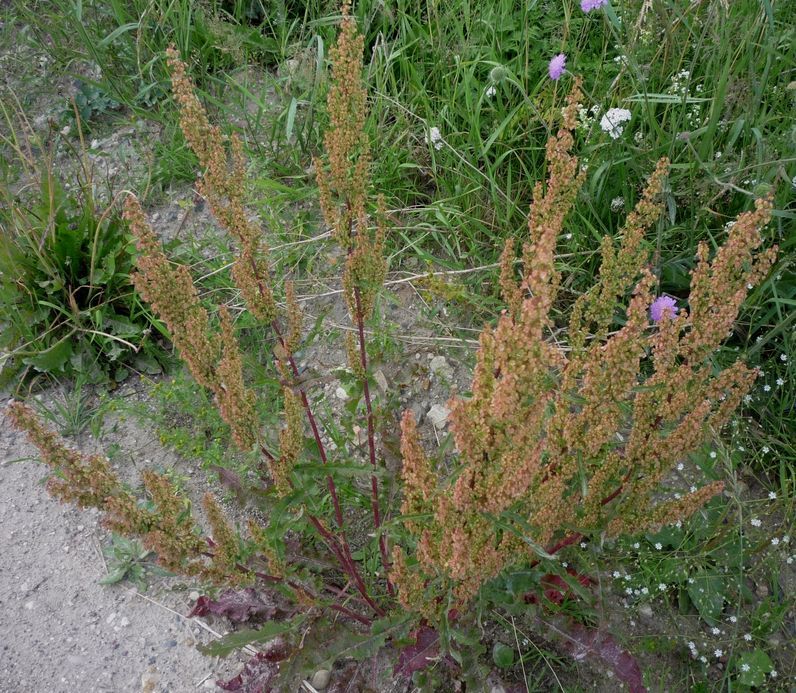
(565, 439)
(223, 185)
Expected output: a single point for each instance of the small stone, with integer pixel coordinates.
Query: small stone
(320, 679)
(381, 381)
(438, 415)
(439, 367)
(762, 590)
(645, 610)
(29, 605)
(110, 618)
(419, 411)
(124, 622)
(193, 595)
(149, 679)
(340, 393)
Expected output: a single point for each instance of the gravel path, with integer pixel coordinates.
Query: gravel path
(61, 631)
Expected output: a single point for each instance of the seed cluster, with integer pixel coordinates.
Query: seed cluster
(561, 441)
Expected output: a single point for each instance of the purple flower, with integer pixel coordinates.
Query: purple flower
(589, 5)
(661, 305)
(557, 66)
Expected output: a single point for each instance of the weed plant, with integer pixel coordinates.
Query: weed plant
(461, 106)
(68, 307)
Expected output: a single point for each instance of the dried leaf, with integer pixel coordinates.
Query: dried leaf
(258, 673)
(419, 654)
(580, 643)
(238, 606)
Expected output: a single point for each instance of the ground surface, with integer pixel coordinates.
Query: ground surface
(60, 629)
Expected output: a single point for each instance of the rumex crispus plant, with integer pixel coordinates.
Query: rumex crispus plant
(557, 442)
(562, 441)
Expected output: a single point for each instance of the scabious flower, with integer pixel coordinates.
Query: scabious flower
(589, 5)
(661, 305)
(613, 121)
(557, 66)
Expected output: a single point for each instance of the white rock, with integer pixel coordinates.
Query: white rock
(381, 381)
(439, 367)
(320, 679)
(438, 415)
(340, 393)
(110, 618)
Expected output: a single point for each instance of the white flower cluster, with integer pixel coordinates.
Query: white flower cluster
(613, 121)
(434, 137)
(586, 116)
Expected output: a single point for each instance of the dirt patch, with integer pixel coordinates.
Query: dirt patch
(63, 631)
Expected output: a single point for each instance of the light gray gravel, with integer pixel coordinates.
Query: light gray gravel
(60, 630)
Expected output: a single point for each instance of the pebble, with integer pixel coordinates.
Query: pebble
(381, 381)
(320, 679)
(438, 415)
(110, 618)
(193, 595)
(645, 610)
(149, 679)
(340, 393)
(439, 367)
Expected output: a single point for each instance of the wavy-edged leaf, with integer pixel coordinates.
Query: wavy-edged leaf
(583, 643)
(235, 641)
(257, 675)
(238, 606)
(419, 654)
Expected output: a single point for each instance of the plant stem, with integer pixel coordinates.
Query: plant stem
(374, 483)
(341, 550)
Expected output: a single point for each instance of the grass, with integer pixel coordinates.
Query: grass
(710, 85)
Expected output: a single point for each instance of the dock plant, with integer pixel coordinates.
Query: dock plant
(566, 435)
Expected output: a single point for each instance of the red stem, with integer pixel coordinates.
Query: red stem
(577, 536)
(342, 551)
(374, 483)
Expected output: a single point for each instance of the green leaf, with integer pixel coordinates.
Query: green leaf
(364, 646)
(707, 593)
(147, 363)
(503, 655)
(291, 118)
(753, 668)
(234, 641)
(521, 582)
(116, 575)
(53, 359)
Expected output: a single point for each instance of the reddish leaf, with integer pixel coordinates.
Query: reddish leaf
(556, 589)
(231, 481)
(418, 655)
(244, 605)
(258, 673)
(581, 642)
(349, 678)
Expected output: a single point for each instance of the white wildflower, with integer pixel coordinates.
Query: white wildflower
(434, 137)
(613, 121)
